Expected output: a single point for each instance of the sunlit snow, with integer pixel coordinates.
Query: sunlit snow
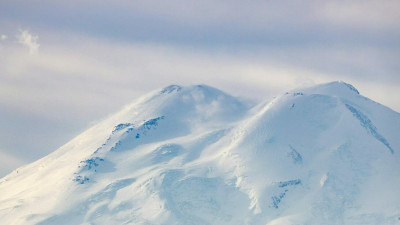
(196, 155)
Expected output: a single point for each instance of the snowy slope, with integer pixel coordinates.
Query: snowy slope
(195, 155)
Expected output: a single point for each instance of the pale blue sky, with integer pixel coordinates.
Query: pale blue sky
(66, 64)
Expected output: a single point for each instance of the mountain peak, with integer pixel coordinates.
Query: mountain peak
(338, 85)
(205, 89)
(335, 88)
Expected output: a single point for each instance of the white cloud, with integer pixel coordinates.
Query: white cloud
(29, 40)
(3, 37)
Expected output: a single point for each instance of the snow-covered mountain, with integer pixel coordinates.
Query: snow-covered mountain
(195, 155)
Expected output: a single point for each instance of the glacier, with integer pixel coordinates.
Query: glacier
(194, 155)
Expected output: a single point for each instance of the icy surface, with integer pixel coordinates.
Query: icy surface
(195, 155)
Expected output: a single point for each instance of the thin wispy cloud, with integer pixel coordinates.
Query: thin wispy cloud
(29, 40)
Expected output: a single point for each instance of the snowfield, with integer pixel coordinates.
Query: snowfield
(195, 155)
